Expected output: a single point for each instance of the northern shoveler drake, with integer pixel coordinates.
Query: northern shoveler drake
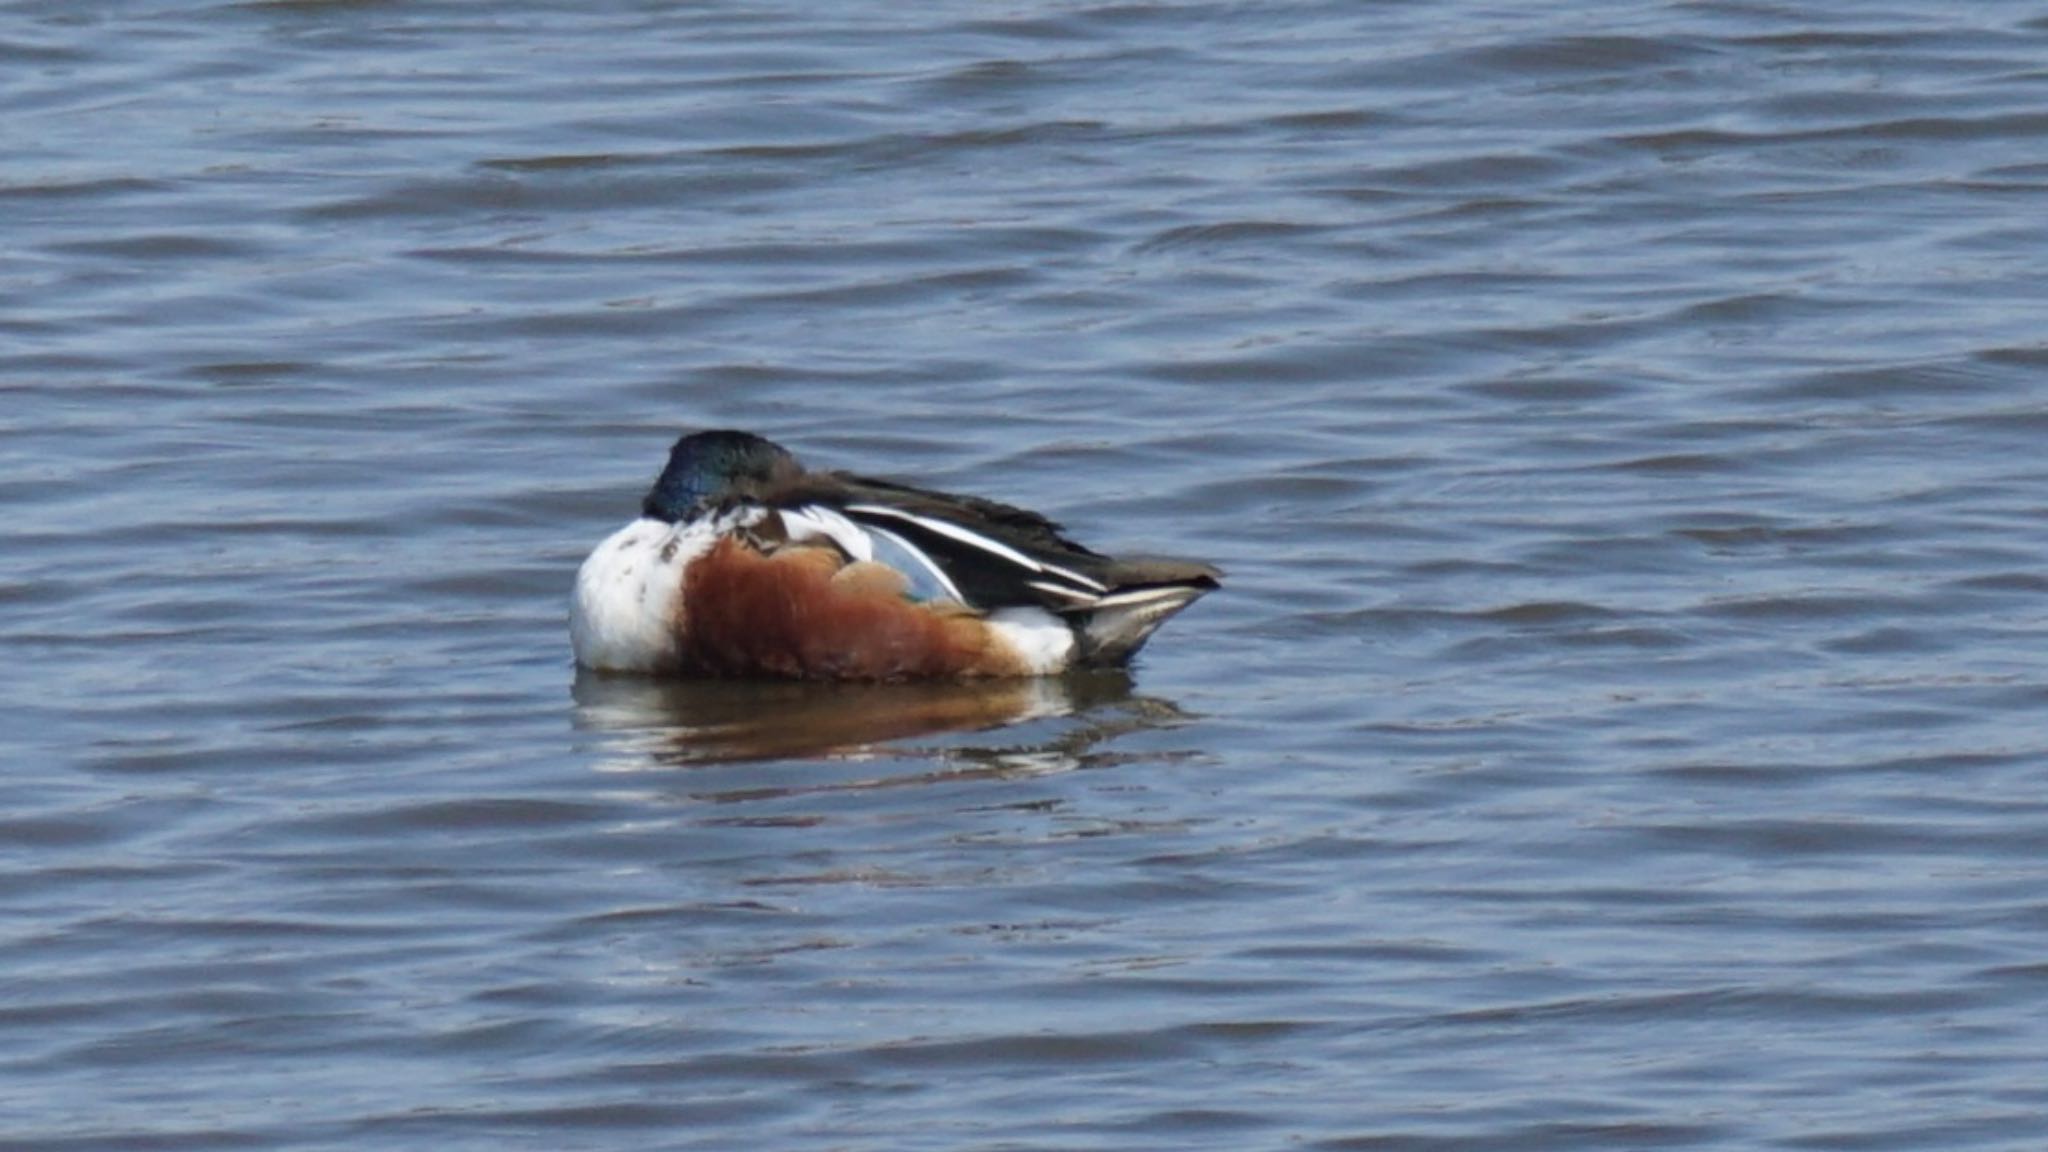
(743, 563)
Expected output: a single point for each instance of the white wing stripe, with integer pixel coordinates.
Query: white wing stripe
(1074, 594)
(812, 520)
(977, 540)
(953, 531)
(1076, 577)
(1138, 596)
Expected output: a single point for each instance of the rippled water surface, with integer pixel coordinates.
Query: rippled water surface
(1622, 425)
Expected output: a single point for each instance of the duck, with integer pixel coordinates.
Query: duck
(744, 563)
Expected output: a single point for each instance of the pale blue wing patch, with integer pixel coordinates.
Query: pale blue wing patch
(983, 543)
(927, 581)
(924, 580)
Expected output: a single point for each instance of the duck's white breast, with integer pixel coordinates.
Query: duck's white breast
(629, 596)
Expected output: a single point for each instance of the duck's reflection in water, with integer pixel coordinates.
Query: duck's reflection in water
(1050, 724)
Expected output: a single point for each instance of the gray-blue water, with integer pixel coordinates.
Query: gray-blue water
(1622, 425)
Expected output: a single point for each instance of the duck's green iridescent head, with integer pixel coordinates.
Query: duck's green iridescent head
(705, 466)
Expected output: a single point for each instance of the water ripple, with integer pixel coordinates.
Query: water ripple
(1616, 730)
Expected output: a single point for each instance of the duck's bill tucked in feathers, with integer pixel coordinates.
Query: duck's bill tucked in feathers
(834, 576)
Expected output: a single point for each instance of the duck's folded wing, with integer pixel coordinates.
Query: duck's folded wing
(924, 579)
(982, 553)
(989, 570)
(1007, 521)
(1113, 606)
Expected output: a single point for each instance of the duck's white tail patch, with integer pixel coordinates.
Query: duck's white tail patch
(1042, 641)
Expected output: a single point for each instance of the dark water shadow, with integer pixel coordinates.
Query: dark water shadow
(1026, 725)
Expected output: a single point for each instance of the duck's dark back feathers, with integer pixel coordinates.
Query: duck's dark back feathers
(1019, 527)
(997, 555)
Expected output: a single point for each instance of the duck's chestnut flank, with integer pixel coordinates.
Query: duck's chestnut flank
(798, 613)
(746, 564)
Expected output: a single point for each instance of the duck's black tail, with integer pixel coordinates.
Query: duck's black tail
(1144, 595)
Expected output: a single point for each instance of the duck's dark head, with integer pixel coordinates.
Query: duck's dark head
(707, 466)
